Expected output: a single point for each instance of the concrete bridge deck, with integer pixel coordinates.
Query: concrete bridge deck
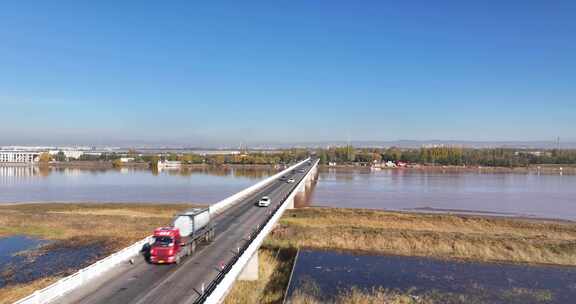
(145, 283)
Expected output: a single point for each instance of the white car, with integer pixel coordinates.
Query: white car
(291, 180)
(264, 202)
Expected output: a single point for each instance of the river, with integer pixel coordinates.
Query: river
(203, 185)
(507, 194)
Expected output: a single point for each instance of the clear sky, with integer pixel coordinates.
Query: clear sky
(283, 71)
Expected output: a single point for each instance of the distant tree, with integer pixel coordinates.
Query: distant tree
(117, 163)
(61, 157)
(172, 157)
(153, 160)
(132, 152)
(45, 158)
(191, 158)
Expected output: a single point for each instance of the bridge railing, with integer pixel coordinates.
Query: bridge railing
(83, 276)
(220, 285)
(230, 201)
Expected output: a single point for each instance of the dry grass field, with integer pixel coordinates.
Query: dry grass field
(415, 234)
(384, 296)
(473, 238)
(122, 222)
(115, 226)
(432, 235)
(275, 265)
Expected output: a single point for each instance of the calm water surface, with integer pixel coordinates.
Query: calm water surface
(548, 196)
(9, 249)
(34, 184)
(328, 272)
(23, 260)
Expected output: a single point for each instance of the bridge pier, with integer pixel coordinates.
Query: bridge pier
(290, 203)
(250, 271)
(302, 187)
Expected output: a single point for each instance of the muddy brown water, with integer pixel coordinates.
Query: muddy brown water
(201, 185)
(507, 194)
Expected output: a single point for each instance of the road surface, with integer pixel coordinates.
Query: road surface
(146, 283)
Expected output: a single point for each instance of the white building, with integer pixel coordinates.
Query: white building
(390, 164)
(19, 157)
(169, 164)
(68, 153)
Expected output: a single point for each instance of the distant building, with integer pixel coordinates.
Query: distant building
(68, 153)
(19, 157)
(390, 164)
(169, 164)
(126, 159)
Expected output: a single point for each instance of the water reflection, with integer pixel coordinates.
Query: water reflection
(195, 184)
(533, 195)
(21, 260)
(9, 248)
(8, 172)
(330, 272)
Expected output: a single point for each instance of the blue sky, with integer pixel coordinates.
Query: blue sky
(284, 71)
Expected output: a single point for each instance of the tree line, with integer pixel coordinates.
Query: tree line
(247, 158)
(458, 156)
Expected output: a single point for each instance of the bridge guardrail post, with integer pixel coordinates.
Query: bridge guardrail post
(248, 246)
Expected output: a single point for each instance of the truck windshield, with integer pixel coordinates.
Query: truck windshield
(163, 241)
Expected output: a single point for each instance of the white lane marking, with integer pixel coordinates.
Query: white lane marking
(193, 297)
(180, 267)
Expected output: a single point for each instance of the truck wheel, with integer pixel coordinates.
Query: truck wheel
(193, 245)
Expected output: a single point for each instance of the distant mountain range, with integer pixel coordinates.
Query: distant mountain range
(421, 143)
(324, 144)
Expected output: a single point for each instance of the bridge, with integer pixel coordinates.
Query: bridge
(205, 277)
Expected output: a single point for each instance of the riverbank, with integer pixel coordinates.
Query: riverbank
(466, 237)
(442, 236)
(105, 228)
(446, 237)
(548, 169)
(146, 165)
(545, 169)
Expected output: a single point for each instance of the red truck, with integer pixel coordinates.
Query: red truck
(172, 244)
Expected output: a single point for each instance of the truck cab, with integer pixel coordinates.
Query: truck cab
(166, 246)
(171, 244)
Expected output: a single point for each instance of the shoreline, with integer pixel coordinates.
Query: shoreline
(478, 239)
(466, 238)
(142, 165)
(107, 203)
(422, 211)
(457, 212)
(544, 169)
